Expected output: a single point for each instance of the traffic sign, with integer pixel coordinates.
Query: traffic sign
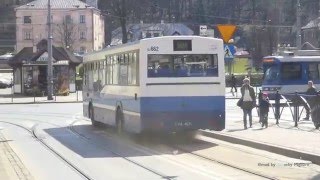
(203, 30)
(210, 33)
(226, 31)
(229, 51)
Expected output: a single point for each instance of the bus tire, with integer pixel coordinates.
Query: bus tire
(315, 115)
(91, 115)
(119, 121)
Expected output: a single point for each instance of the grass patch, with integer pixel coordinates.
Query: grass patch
(239, 66)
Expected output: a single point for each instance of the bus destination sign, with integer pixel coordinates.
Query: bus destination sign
(182, 45)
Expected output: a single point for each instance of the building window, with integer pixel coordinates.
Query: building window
(69, 35)
(148, 35)
(82, 50)
(68, 19)
(82, 19)
(27, 19)
(27, 35)
(82, 35)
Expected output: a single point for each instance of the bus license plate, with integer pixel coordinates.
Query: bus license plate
(183, 124)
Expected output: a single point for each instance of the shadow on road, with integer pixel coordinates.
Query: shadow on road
(91, 142)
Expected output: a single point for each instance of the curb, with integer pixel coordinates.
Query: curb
(232, 97)
(56, 102)
(267, 147)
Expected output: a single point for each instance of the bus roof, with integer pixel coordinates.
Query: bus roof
(150, 39)
(131, 46)
(275, 59)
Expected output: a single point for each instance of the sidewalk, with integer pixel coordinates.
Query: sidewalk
(302, 142)
(11, 168)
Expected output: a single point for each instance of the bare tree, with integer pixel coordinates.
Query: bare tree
(119, 10)
(66, 33)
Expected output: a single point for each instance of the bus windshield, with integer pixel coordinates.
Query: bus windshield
(174, 65)
(271, 74)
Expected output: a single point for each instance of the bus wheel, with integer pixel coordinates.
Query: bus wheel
(315, 115)
(119, 121)
(91, 116)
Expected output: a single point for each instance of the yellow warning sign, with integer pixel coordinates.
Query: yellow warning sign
(226, 31)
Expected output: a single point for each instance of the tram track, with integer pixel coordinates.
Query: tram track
(71, 128)
(140, 146)
(32, 131)
(86, 139)
(222, 163)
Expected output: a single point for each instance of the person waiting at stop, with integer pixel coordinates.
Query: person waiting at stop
(310, 91)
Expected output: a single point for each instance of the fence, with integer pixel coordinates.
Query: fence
(296, 103)
(8, 96)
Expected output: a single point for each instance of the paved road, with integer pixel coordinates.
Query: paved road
(99, 153)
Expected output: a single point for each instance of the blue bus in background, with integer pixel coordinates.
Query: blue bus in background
(290, 72)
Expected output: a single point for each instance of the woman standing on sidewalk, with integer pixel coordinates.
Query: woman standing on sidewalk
(248, 101)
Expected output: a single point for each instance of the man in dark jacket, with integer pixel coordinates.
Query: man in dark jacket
(233, 83)
(264, 109)
(249, 101)
(310, 91)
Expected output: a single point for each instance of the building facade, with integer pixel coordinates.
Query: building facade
(76, 25)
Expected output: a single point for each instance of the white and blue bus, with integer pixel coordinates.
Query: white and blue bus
(164, 84)
(291, 72)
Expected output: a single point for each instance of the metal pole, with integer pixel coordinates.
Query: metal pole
(50, 71)
(259, 102)
(298, 35)
(296, 110)
(277, 107)
(12, 92)
(34, 95)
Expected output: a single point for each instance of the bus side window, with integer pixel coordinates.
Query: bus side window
(291, 71)
(313, 71)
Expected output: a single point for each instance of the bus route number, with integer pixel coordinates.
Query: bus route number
(153, 48)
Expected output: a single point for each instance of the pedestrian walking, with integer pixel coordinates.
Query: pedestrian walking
(233, 84)
(248, 101)
(264, 109)
(310, 91)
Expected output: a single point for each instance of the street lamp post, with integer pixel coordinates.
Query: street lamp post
(298, 34)
(50, 72)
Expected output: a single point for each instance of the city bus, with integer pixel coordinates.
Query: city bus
(291, 72)
(163, 84)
